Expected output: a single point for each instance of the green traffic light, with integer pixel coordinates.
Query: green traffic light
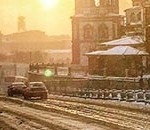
(48, 73)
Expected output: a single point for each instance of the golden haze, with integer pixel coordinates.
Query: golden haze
(53, 19)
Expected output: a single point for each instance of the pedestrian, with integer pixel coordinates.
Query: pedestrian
(148, 81)
(141, 83)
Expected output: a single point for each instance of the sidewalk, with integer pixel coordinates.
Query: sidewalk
(3, 90)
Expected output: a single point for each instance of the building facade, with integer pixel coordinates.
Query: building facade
(135, 18)
(93, 22)
(138, 21)
(112, 62)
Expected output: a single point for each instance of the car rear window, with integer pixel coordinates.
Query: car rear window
(9, 79)
(36, 85)
(19, 85)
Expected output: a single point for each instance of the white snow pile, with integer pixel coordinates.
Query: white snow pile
(140, 107)
(119, 50)
(125, 41)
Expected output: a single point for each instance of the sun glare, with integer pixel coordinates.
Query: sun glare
(47, 4)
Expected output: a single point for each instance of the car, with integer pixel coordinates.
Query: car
(106, 94)
(140, 96)
(81, 93)
(36, 89)
(147, 97)
(8, 80)
(16, 88)
(130, 95)
(94, 94)
(114, 94)
(100, 94)
(122, 95)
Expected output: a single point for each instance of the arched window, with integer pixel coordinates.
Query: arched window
(110, 2)
(106, 2)
(103, 32)
(90, 3)
(103, 2)
(115, 2)
(139, 16)
(132, 17)
(88, 32)
(97, 2)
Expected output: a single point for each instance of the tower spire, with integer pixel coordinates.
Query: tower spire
(80, 5)
(21, 24)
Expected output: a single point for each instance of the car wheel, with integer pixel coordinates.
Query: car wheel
(26, 97)
(10, 94)
(44, 96)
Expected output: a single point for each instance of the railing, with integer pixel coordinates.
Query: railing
(59, 70)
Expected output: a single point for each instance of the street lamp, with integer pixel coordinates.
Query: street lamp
(146, 19)
(146, 26)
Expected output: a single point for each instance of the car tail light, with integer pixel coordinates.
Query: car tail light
(24, 87)
(27, 88)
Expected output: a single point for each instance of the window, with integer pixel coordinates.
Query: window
(97, 2)
(9, 79)
(133, 18)
(103, 32)
(103, 2)
(139, 16)
(88, 32)
(110, 2)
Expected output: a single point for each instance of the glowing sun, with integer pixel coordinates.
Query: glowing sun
(47, 4)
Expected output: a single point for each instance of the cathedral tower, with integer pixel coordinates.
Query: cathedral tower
(111, 6)
(137, 2)
(93, 24)
(21, 24)
(82, 5)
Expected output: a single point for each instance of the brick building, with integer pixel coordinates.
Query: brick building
(136, 38)
(93, 23)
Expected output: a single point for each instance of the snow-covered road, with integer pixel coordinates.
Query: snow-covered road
(20, 116)
(77, 114)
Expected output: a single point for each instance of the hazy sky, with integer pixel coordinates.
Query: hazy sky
(54, 18)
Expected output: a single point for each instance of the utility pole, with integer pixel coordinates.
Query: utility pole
(1, 35)
(146, 27)
(146, 21)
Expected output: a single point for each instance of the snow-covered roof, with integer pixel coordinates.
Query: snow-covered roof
(132, 40)
(113, 14)
(119, 50)
(134, 7)
(59, 51)
(95, 53)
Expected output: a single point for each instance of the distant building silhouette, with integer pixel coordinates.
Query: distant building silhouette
(31, 46)
(21, 24)
(34, 40)
(1, 35)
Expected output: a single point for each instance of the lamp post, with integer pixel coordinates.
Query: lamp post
(146, 23)
(30, 57)
(146, 27)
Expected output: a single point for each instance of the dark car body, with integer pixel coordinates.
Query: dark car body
(16, 88)
(115, 94)
(147, 96)
(140, 95)
(36, 89)
(106, 94)
(130, 95)
(122, 95)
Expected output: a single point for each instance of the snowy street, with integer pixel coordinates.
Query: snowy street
(72, 114)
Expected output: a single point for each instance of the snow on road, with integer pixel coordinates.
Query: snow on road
(67, 113)
(13, 113)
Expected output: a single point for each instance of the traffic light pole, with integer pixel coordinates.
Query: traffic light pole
(146, 24)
